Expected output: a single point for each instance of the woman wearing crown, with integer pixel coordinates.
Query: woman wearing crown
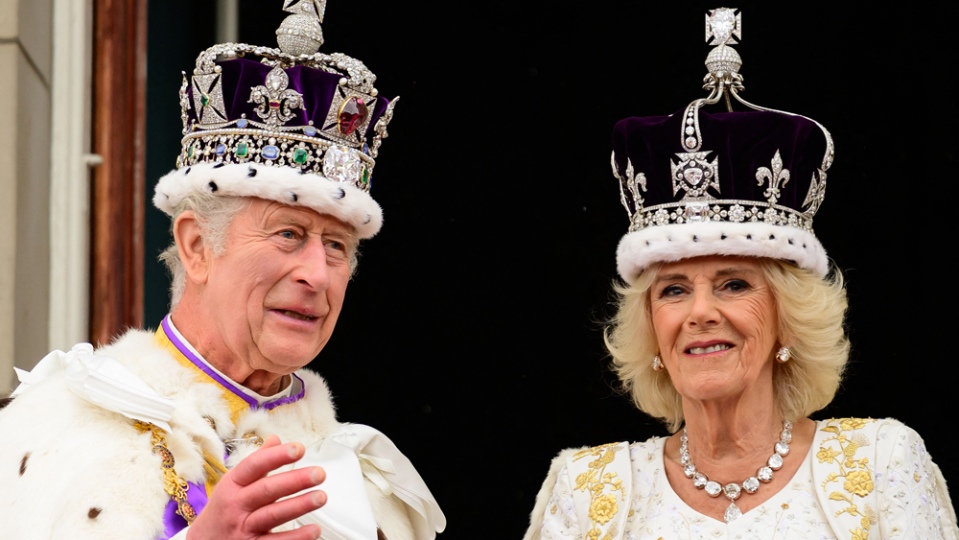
(211, 428)
(730, 330)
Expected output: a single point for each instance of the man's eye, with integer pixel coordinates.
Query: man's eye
(338, 246)
(289, 235)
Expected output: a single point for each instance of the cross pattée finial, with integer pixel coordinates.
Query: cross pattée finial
(722, 24)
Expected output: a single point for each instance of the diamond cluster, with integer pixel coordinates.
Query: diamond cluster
(729, 211)
(732, 491)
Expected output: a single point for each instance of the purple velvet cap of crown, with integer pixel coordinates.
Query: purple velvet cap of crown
(743, 142)
(241, 75)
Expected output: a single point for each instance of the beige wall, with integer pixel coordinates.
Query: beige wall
(25, 74)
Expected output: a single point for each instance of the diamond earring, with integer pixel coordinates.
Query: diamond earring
(784, 355)
(657, 363)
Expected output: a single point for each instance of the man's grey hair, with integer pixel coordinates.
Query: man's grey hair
(214, 215)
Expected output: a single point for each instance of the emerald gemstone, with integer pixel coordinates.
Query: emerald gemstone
(242, 149)
(205, 100)
(189, 152)
(366, 176)
(299, 155)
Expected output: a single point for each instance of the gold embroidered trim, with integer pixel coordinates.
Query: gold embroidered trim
(857, 474)
(175, 486)
(603, 507)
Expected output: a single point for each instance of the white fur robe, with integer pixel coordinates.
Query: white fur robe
(71, 470)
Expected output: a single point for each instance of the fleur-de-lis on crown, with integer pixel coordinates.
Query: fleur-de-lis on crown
(775, 176)
(276, 100)
(816, 194)
(184, 103)
(634, 183)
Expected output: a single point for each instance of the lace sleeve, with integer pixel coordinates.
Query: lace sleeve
(913, 500)
(559, 521)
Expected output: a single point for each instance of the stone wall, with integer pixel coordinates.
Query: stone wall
(26, 65)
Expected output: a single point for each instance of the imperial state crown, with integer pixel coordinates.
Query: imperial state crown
(298, 126)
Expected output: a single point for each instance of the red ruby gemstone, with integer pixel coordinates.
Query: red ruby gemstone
(274, 104)
(352, 115)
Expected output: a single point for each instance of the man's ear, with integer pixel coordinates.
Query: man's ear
(194, 253)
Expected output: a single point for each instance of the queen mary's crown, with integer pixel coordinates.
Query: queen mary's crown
(730, 183)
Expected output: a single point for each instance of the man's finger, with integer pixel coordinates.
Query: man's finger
(306, 532)
(267, 490)
(264, 460)
(271, 440)
(276, 514)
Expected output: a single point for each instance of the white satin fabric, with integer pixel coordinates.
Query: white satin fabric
(102, 381)
(355, 451)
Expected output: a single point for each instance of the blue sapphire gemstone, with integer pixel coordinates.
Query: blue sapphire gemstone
(366, 149)
(270, 152)
(309, 130)
(220, 149)
(241, 123)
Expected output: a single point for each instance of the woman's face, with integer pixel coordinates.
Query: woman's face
(716, 323)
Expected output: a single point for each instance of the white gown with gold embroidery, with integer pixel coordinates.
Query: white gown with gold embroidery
(860, 479)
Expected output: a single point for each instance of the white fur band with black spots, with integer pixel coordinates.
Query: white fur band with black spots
(282, 184)
(637, 250)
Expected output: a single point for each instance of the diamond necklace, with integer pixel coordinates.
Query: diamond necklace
(732, 491)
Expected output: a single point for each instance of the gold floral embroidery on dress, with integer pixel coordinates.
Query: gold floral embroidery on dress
(602, 506)
(856, 473)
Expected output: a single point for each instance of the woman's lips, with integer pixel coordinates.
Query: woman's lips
(705, 348)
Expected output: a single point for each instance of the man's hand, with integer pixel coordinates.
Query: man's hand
(243, 506)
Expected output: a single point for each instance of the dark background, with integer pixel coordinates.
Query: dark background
(471, 334)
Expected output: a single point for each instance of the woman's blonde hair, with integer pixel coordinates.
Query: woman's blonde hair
(811, 312)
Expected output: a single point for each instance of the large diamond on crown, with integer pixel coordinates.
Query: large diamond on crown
(342, 165)
(722, 24)
(694, 174)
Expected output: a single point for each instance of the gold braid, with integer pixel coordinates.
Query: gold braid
(175, 486)
(213, 468)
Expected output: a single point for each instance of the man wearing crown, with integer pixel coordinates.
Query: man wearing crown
(211, 427)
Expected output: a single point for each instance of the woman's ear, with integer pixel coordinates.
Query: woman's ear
(194, 253)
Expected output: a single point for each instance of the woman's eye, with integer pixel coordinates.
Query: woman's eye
(672, 290)
(338, 246)
(289, 235)
(736, 285)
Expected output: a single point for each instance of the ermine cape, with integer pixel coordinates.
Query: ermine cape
(77, 467)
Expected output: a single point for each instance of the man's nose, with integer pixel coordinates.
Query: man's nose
(312, 269)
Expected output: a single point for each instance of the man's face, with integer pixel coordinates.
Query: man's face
(279, 288)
